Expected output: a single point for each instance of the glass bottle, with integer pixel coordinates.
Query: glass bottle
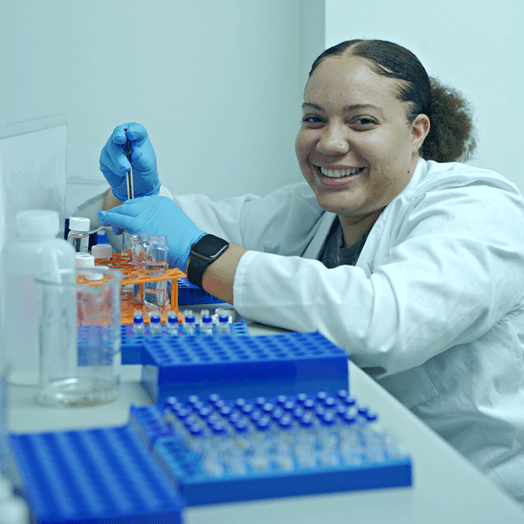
(78, 235)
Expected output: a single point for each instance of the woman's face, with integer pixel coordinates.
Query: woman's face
(355, 147)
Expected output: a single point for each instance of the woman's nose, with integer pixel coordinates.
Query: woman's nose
(332, 143)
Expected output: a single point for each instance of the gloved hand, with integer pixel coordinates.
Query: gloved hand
(156, 215)
(115, 165)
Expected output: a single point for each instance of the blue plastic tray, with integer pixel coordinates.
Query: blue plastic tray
(189, 294)
(270, 447)
(101, 475)
(242, 366)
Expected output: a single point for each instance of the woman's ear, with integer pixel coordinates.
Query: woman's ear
(420, 129)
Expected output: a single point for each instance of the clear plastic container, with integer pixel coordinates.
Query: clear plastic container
(155, 293)
(36, 250)
(139, 248)
(79, 323)
(78, 235)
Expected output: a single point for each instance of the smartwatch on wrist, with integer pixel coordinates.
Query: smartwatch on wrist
(203, 253)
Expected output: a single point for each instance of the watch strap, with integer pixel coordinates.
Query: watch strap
(200, 260)
(195, 270)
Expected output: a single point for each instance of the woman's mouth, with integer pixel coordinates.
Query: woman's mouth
(338, 177)
(340, 173)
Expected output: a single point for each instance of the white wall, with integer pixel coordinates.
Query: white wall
(474, 46)
(218, 84)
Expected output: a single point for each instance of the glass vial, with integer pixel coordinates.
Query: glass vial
(36, 250)
(78, 235)
(139, 249)
(155, 293)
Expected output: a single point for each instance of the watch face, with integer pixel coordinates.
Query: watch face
(209, 246)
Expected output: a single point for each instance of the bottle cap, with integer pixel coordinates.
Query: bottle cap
(85, 260)
(37, 221)
(14, 511)
(79, 223)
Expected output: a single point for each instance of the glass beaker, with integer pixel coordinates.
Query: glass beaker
(79, 336)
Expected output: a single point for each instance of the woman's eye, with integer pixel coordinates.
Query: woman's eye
(312, 119)
(365, 121)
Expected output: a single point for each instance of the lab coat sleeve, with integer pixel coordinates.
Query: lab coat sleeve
(453, 269)
(283, 222)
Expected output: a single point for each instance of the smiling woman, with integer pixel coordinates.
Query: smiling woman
(409, 260)
(367, 115)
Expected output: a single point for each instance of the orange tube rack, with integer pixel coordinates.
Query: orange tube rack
(123, 262)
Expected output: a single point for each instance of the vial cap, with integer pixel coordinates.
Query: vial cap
(79, 223)
(214, 398)
(85, 260)
(247, 409)
(37, 221)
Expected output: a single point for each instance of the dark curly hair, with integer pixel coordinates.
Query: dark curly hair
(451, 135)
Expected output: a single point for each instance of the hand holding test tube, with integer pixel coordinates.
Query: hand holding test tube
(128, 162)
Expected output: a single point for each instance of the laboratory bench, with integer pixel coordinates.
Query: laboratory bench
(446, 487)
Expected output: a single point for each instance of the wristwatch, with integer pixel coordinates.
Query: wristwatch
(203, 253)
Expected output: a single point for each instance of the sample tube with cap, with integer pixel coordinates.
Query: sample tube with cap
(78, 235)
(189, 322)
(206, 323)
(155, 323)
(172, 323)
(138, 323)
(224, 319)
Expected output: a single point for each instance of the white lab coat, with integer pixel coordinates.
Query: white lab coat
(433, 309)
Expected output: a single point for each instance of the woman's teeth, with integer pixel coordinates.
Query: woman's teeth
(340, 173)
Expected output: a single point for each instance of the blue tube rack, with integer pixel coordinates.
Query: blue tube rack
(242, 366)
(190, 294)
(220, 450)
(100, 475)
(132, 345)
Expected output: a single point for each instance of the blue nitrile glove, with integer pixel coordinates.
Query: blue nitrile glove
(156, 215)
(114, 164)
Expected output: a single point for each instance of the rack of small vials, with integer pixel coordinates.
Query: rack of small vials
(203, 323)
(220, 450)
(208, 451)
